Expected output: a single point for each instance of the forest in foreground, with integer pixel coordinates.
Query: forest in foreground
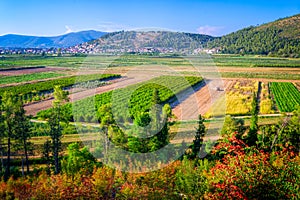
(255, 162)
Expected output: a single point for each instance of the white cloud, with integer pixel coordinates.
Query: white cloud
(209, 30)
(69, 29)
(111, 27)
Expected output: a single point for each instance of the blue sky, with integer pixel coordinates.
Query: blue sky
(53, 17)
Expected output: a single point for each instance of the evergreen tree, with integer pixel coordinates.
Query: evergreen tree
(56, 117)
(160, 123)
(46, 155)
(232, 125)
(252, 135)
(23, 132)
(197, 142)
(9, 106)
(1, 136)
(106, 119)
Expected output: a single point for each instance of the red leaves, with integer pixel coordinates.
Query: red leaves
(251, 173)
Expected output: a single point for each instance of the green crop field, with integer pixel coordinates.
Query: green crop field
(136, 97)
(135, 60)
(254, 61)
(265, 75)
(286, 95)
(29, 77)
(48, 85)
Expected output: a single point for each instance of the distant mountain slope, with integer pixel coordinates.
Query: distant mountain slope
(67, 40)
(281, 37)
(146, 41)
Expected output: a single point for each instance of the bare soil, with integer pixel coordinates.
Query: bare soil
(34, 108)
(200, 101)
(15, 72)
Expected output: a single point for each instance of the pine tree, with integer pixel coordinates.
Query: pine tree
(46, 155)
(23, 132)
(56, 117)
(197, 142)
(252, 135)
(159, 126)
(106, 119)
(1, 136)
(9, 106)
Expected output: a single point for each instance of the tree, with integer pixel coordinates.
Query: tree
(56, 117)
(46, 155)
(252, 135)
(232, 125)
(78, 159)
(22, 132)
(8, 109)
(155, 112)
(59, 52)
(1, 136)
(197, 142)
(160, 123)
(106, 119)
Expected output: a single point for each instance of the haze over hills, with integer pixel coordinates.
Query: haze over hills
(281, 37)
(146, 41)
(278, 38)
(67, 40)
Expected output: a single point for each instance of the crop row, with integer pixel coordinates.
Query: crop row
(286, 96)
(44, 86)
(29, 77)
(128, 102)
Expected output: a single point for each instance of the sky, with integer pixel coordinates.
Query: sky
(219, 17)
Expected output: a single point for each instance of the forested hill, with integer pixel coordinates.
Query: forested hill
(146, 41)
(281, 37)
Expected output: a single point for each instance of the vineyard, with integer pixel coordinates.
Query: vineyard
(138, 98)
(29, 77)
(37, 90)
(286, 96)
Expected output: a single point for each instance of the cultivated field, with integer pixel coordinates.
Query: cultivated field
(241, 78)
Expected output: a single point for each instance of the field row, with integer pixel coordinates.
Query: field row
(30, 92)
(286, 95)
(134, 60)
(272, 98)
(127, 103)
(29, 77)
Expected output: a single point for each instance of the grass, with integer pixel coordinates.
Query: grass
(268, 75)
(254, 61)
(29, 77)
(136, 60)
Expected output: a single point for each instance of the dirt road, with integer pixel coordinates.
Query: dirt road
(201, 100)
(34, 108)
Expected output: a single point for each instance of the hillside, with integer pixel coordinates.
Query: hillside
(281, 37)
(67, 40)
(149, 41)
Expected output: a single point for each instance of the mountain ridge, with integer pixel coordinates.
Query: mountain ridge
(65, 40)
(146, 42)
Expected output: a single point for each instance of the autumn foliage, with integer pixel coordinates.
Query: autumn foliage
(236, 171)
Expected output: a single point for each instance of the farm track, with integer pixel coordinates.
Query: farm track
(34, 108)
(200, 101)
